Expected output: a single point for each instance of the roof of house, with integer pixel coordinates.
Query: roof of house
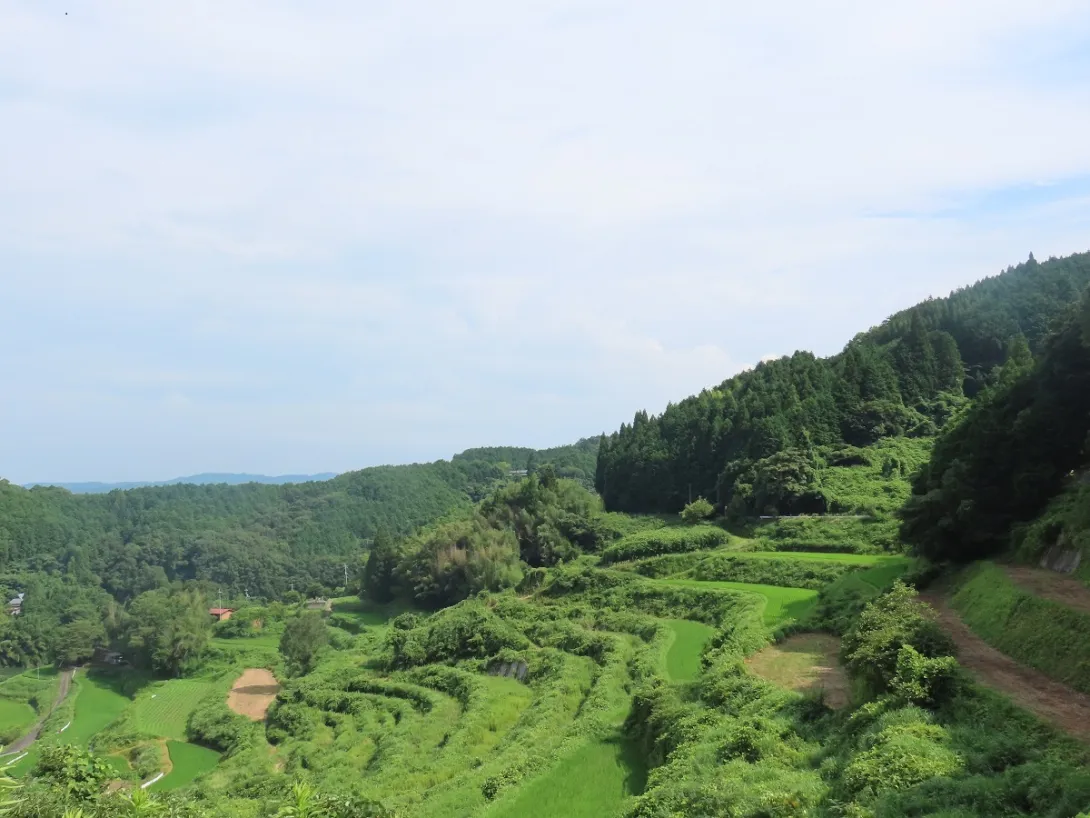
(18, 600)
(220, 611)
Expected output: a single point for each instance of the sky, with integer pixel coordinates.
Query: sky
(290, 237)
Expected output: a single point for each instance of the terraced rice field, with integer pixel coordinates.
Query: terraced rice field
(804, 662)
(781, 604)
(163, 708)
(827, 556)
(683, 657)
(98, 702)
(188, 761)
(591, 782)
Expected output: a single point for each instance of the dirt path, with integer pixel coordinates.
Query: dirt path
(1062, 707)
(63, 686)
(1051, 585)
(804, 662)
(253, 692)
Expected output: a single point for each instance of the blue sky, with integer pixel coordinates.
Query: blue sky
(270, 237)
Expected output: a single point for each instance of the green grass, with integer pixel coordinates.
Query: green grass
(824, 556)
(781, 604)
(15, 717)
(594, 781)
(163, 709)
(678, 540)
(98, 702)
(1037, 632)
(189, 761)
(683, 657)
(7, 671)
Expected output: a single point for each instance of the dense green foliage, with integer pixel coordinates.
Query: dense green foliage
(1010, 452)
(653, 542)
(303, 639)
(574, 462)
(751, 441)
(168, 629)
(796, 572)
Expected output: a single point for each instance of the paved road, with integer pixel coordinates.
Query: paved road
(62, 693)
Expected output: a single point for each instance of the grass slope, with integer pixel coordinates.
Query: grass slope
(15, 718)
(1037, 632)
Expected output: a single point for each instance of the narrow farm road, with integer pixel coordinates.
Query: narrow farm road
(63, 686)
(1059, 705)
(1051, 585)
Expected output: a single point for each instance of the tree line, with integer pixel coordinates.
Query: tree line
(908, 376)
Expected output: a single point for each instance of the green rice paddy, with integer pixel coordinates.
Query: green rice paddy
(98, 702)
(188, 761)
(781, 604)
(593, 781)
(683, 656)
(163, 709)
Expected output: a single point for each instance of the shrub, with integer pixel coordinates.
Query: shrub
(665, 541)
(697, 511)
(899, 757)
(923, 681)
(466, 631)
(871, 648)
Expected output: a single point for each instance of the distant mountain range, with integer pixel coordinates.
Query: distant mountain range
(198, 479)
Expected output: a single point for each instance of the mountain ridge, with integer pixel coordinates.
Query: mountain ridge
(201, 479)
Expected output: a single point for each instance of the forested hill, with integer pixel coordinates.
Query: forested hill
(576, 461)
(196, 479)
(1019, 454)
(772, 425)
(252, 537)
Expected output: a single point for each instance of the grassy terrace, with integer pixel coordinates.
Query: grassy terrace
(781, 604)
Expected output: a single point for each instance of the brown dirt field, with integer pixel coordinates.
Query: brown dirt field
(253, 692)
(804, 662)
(1059, 705)
(1051, 585)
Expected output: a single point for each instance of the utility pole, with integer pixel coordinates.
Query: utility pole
(346, 576)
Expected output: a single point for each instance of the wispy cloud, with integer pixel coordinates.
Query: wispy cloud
(279, 237)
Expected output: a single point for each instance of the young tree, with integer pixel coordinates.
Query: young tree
(303, 639)
(697, 511)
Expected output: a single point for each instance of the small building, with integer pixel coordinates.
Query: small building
(319, 604)
(221, 614)
(108, 657)
(15, 605)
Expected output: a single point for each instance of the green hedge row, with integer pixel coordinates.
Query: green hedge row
(645, 544)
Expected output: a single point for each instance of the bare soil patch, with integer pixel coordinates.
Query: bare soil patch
(253, 692)
(804, 662)
(1051, 585)
(1064, 708)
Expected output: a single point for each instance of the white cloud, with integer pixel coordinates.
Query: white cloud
(529, 218)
